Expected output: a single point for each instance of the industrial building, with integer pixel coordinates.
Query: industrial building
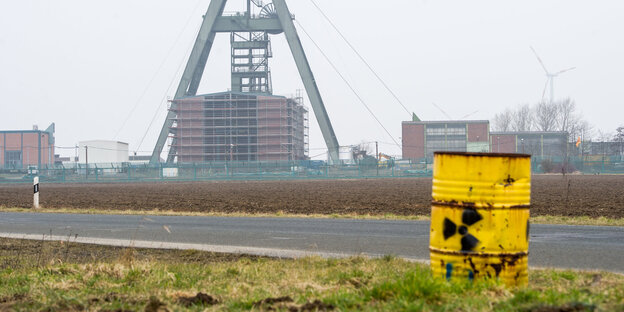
(102, 152)
(247, 123)
(422, 138)
(25, 148)
(237, 126)
(535, 143)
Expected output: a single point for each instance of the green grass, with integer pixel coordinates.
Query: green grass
(136, 279)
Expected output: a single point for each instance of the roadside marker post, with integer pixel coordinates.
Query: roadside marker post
(36, 193)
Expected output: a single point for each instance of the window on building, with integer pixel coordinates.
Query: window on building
(456, 130)
(13, 159)
(435, 130)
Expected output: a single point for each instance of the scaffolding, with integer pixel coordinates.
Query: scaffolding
(250, 62)
(235, 126)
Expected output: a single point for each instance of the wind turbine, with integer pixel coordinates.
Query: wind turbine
(550, 78)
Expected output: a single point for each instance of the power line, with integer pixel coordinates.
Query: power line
(361, 57)
(346, 82)
(163, 100)
(149, 84)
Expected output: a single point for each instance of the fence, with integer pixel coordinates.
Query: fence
(589, 164)
(127, 172)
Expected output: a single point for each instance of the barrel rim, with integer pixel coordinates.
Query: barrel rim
(513, 155)
(478, 205)
(487, 254)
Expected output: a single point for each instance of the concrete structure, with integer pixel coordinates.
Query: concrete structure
(140, 159)
(237, 126)
(421, 138)
(23, 148)
(102, 152)
(535, 143)
(251, 49)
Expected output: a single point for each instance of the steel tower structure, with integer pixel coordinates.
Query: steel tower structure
(251, 49)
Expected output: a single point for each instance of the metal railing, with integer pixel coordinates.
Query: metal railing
(235, 170)
(279, 170)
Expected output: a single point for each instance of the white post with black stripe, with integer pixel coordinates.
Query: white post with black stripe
(36, 193)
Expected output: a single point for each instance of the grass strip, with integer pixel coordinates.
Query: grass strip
(565, 220)
(61, 276)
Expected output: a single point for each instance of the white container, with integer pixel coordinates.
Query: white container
(345, 155)
(170, 172)
(102, 152)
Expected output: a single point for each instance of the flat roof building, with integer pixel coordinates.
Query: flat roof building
(535, 143)
(422, 138)
(23, 148)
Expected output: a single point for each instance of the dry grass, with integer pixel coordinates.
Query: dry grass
(599, 221)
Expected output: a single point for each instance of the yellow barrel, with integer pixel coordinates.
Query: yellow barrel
(480, 216)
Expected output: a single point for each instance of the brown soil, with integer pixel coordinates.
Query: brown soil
(551, 195)
(201, 299)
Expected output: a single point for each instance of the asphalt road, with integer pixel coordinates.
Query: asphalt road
(579, 247)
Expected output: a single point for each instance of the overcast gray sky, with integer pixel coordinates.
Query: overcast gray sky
(86, 64)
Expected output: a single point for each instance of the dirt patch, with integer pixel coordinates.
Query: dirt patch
(286, 303)
(592, 196)
(12, 298)
(271, 301)
(200, 298)
(155, 305)
(573, 307)
(315, 305)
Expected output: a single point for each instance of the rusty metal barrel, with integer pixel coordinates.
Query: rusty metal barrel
(480, 216)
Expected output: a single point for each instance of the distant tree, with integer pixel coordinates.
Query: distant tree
(619, 137)
(619, 134)
(604, 138)
(545, 116)
(581, 129)
(362, 150)
(568, 119)
(502, 121)
(522, 118)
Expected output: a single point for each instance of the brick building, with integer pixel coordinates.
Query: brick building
(422, 138)
(236, 126)
(23, 148)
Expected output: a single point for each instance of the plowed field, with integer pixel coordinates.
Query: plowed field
(551, 195)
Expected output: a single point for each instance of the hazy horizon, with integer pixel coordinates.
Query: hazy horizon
(85, 65)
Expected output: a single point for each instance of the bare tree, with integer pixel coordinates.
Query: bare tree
(502, 121)
(362, 150)
(604, 139)
(567, 118)
(582, 129)
(619, 137)
(545, 116)
(522, 118)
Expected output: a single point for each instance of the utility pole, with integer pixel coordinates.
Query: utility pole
(87, 161)
(377, 156)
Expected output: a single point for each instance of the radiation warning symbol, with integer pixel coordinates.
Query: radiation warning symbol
(469, 217)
